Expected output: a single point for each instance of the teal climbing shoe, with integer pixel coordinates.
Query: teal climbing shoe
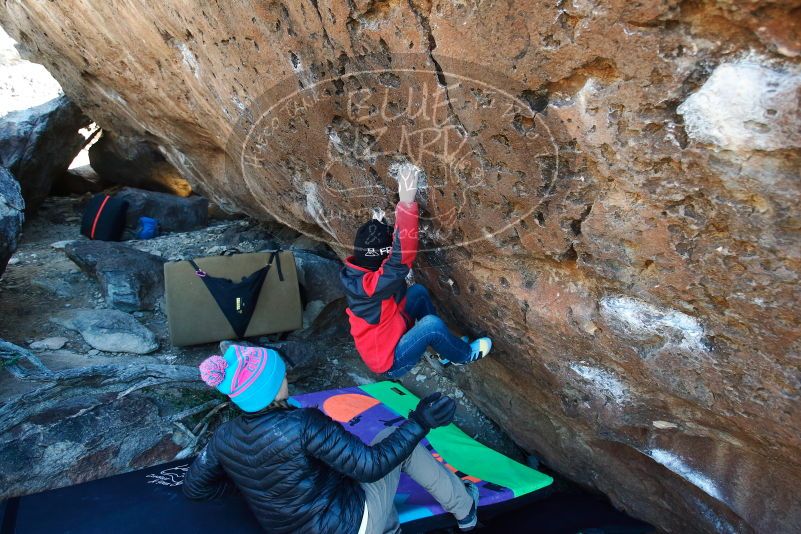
(446, 361)
(479, 348)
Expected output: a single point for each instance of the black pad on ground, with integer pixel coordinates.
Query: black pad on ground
(151, 500)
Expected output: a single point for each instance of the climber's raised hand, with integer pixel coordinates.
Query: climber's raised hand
(407, 183)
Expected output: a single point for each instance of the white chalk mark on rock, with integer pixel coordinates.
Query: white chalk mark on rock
(721, 525)
(664, 425)
(679, 466)
(315, 208)
(189, 59)
(639, 320)
(748, 105)
(602, 380)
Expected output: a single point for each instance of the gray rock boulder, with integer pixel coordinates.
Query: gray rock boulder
(130, 279)
(308, 244)
(323, 322)
(82, 428)
(78, 181)
(319, 277)
(60, 287)
(110, 331)
(174, 213)
(135, 162)
(38, 144)
(311, 312)
(11, 216)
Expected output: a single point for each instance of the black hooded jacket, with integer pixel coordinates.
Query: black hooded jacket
(298, 469)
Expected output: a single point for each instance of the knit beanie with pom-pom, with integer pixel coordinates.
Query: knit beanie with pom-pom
(250, 376)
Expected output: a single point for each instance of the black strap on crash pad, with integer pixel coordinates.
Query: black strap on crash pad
(237, 300)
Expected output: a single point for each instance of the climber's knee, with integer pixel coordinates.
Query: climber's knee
(417, 290)
(431, 322)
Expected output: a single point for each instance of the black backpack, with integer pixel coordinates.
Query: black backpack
(104, 218)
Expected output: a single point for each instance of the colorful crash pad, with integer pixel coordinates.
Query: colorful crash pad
(150, 500)
(367, 410)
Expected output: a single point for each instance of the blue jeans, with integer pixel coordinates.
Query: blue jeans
(429, 330)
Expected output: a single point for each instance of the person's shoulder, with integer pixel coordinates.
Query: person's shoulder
(313, 416)
(276, 423)
(289, 415)
(225, 428)
(310, 413)
(217, 439)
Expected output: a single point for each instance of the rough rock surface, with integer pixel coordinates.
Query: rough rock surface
(96, 422)
(110, 331)
(38, 144)
(627, 213)
(77, 181)
(131, 280)
(137, 163)
(174, 214)
(11, 216)
(318, 276)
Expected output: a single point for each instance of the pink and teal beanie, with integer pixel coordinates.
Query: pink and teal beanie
(251, 376)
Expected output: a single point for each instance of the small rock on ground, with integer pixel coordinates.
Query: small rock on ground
(110, 331)
(60, 245)
(50, 343)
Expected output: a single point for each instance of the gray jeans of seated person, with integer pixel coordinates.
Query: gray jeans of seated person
(446, 488)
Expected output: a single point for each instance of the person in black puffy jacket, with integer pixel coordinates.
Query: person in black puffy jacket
(300, 471)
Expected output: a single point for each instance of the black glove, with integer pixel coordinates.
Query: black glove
(434, 411)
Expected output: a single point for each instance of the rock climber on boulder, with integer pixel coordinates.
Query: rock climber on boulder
(300, 471)
(391, 324)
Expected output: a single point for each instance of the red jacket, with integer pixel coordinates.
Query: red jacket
(377, 299)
